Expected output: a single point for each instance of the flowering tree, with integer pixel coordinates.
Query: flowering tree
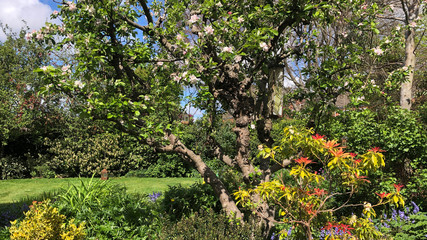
(25, 117)
(135, 59)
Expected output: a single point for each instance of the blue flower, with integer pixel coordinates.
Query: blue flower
(416, 208)
(394, 214)
(289, 233)
(154, 196)
(273, 236)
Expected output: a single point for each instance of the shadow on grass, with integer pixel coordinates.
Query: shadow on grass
(11, 211)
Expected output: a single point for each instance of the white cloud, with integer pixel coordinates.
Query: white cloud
(12, 12)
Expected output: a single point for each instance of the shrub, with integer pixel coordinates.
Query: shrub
(43, 221)
(109, 212)
(12, 167)
(394, 130)
(308, 202)
(168, 165)
(407, 224)
(43, 171)
(207, 224)
(181, 201)
(84, 156)
(417, 187)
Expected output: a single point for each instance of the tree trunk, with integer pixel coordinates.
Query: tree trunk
(406, 88)
(221, 192)
(411, 10)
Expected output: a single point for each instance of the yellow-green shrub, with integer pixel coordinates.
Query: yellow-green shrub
(45, 222)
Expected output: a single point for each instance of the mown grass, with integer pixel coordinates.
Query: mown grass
(19, 190)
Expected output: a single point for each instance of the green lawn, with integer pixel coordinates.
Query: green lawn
(18, 189)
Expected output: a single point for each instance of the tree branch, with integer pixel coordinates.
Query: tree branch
(219, 153)
(146, 11)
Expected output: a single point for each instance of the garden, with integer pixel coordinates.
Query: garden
(216, 120)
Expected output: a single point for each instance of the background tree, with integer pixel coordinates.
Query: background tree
(24, 116)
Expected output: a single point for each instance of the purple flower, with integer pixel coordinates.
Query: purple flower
(273, 236)
(394, 214)
(154, 196)
(289, 231)
(416, 208)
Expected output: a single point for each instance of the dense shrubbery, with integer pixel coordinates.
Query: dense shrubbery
(208, 224)
(394, 130)
(83, 156)
(12, 167)
(181, 201)
(109, 212)
(404, 224)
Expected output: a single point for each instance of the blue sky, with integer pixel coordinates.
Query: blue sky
(51, 3)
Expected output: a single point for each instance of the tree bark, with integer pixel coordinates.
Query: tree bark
(411, 11)
(227, 202)
(406, 87)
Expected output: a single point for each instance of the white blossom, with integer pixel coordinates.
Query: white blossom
(72, 6)
(39, 36)
(65, 69)
(90, 9)
(240, 20)
(209, 30)
(378, 51)
(44, 68)
(193, 79)
(237, 58)
(193, 19)
(264, 46)
(79, 84)
(28, 36)
(176, 78)
(227, 49)
(179, 37)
